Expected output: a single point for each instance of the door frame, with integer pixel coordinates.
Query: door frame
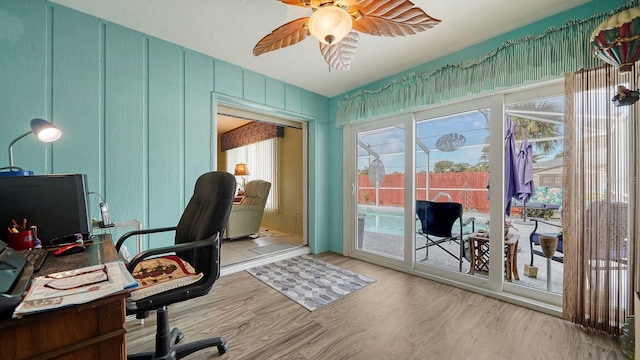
(258, 112)
(495, 286)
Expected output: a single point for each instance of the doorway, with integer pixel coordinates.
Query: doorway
(282, 162)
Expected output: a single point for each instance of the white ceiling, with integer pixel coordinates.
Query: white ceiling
(229, 29)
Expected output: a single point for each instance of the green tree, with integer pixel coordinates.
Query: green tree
(527, 128)
(442, 166)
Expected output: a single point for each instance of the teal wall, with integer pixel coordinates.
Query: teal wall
(336, 138)
(135, 111)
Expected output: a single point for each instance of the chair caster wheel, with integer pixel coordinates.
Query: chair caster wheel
(222, 349)
(179, 338)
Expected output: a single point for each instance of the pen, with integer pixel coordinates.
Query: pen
(24, 224)
(15, 224)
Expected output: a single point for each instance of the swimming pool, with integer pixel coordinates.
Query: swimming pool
(389, 220)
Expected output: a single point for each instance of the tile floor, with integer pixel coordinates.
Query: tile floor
(266, 243)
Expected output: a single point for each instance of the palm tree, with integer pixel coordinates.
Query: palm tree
(528, 128)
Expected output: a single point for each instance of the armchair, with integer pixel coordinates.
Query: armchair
(534, 240)
(197, 245)
(245, 217)
(606, 230)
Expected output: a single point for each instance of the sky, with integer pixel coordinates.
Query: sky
(470, 129)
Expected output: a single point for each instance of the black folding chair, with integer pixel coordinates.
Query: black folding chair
(437, 220)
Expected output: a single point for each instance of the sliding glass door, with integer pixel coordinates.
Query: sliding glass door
(379, 190)
(458, 156)
(452, 166)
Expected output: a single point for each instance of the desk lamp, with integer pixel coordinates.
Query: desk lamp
(241, 170)
(44, 130)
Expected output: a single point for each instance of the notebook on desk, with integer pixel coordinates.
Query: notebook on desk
(72, 287)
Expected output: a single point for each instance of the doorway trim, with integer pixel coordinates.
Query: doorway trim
(258, 112)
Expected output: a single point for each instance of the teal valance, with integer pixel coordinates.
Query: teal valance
(529, 59)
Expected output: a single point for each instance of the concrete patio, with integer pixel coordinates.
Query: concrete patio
(392, 245)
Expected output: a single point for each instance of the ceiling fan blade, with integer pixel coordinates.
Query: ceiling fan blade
(288, 34)
(306, 4)
(340, 54)
(391, 18)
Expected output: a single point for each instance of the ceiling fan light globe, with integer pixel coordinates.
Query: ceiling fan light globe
(330, 24)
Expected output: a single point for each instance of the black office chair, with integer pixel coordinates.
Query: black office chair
(437, 220)
(197, 241)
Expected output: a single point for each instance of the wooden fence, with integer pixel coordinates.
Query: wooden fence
(468, 188)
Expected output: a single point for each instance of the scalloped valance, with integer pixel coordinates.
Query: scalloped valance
(548, 55)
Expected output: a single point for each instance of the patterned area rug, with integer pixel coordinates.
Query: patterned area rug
(309, 282)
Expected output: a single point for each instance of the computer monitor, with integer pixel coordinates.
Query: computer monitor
(56, 204)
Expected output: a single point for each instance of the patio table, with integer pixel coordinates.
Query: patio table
(479, 251)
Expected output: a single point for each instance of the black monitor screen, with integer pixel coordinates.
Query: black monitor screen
(56, 204)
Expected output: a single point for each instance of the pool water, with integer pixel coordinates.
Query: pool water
(389, 220)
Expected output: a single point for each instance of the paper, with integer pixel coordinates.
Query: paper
(73, 287)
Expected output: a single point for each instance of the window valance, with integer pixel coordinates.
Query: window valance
(249, 134)
(533, 58)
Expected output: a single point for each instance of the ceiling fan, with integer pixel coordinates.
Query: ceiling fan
(335, 22)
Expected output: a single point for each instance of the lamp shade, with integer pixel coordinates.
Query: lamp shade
(45, 131)
(330, 24)
(617, 40)
(241, 170)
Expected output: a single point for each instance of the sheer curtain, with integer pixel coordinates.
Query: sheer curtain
(262, 160)
(600, 214)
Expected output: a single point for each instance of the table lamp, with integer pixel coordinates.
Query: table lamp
(45, 131)
(241, 170)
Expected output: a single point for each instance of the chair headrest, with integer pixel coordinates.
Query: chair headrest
(257, 188)
(256, 192)
(208, 209)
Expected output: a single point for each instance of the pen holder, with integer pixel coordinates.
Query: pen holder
(21, 240)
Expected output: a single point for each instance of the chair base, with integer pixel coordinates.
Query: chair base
(166, 342)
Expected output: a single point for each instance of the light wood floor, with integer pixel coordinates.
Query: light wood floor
(400, 316)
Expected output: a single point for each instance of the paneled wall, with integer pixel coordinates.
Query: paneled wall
(135, 110)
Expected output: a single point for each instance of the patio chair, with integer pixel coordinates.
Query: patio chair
(534, 240)
(612, 229)
(437, 220)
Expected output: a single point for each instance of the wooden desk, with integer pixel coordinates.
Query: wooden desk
(94, 330)
(479, 251)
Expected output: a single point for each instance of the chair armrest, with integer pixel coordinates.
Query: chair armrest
(171, 249)
(141, 232)
(469, 220)
(243, 208)
(535, 228)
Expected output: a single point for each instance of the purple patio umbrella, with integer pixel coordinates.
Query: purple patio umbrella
(525, 188)
(510, 168)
